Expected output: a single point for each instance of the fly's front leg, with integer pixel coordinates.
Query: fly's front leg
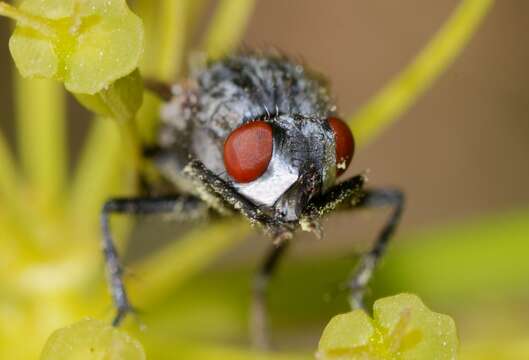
(184, 207)
(218, 194)
(350, 195)
(217, 191)
(375, 198)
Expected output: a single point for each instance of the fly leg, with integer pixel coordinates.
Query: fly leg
(218, 191)
(259, 313)
(375, 198)
(183, 207)
(223, 197)
(350, 195)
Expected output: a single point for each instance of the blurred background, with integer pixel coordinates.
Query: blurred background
(460, 153)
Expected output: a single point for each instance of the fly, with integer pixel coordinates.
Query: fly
(259, 136)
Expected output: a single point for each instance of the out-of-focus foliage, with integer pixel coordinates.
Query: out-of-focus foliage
(50, 266)
(497, 350)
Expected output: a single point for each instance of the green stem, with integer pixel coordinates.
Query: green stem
(9, 177)
(227, 26)
(404, 90)
(166, 36)
(172, 39)
(131, 154)
(41, 134)
(11, 204)
(167, 26)
(97, 172)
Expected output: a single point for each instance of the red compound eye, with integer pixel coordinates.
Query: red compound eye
(248, 150)
(345, 144)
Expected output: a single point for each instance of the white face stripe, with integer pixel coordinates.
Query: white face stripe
(276, 180)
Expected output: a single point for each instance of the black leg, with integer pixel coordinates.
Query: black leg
(213, 185)
(186, 207)
(350, 195)
(361, 276)
(258, 316)
(217, 192)
(346, 194)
